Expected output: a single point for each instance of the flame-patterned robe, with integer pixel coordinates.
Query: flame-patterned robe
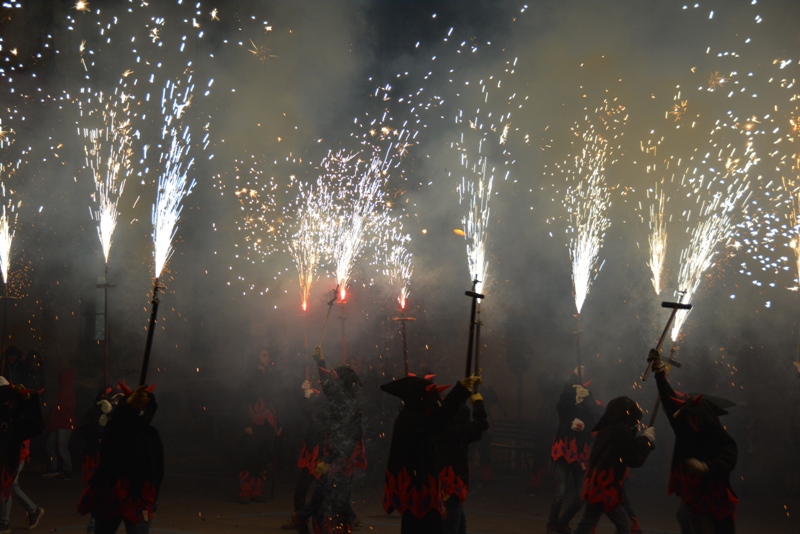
(412, 484)
(130, 470)
(569, 445)
(707, 493)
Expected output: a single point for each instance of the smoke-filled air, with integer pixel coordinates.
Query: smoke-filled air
(541, 192)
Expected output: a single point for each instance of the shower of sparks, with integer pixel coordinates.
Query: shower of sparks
(794, 242)
(475, 224)
(398, 265)
(108, 156)
(588, 197)
(362, 215)
(485, 128)
(173, 184)
(307, 245)
(715, 226)
(8, 220)
(657, 239)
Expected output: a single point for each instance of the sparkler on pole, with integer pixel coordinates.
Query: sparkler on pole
(108, 156)
(173, 186)
(8, 220)
(399, 269)
(715, 226)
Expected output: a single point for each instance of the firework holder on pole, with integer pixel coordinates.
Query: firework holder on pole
(327, 315)
(675, 307)
(403, 319)
(472, 323)
(578, 347)
(105, 287)
(5, 298)
(151, 328)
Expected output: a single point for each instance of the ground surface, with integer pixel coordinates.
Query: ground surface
(203, 503)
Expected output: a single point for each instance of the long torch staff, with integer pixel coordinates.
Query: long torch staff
(675, 307)
(578, 347)
(475, 296)
(671, 360)
(151, 328)
(327, 315)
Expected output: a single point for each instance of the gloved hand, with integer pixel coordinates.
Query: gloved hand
(105, 406)
(470, 382)
(306, 387)
(322, 468)
(580, 393)
(655, 357)
(650, 434)
(317, 354)
(693, 464)
(475, 397)
(577, 425)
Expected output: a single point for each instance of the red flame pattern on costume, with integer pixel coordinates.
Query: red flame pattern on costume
(419, 500)
(715, 498)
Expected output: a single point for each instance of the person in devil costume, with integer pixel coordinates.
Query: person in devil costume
(342, 452)
(125, 486)
(412, 484)
(616, 449)
(20, 420)
(91, 430)
(315, 419)
(452, 450)
(702, 460)
(577, 413)
(261, 429)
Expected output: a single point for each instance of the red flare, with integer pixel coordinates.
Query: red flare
(442, 388)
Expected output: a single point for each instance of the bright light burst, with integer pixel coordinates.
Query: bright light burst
(8, 220)
(715, 226)
(308, 244)
(657, 238)
(399, 267)
(476, 196)
(108, 156)
(173, 184)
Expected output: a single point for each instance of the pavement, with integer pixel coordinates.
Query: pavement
(192, 503)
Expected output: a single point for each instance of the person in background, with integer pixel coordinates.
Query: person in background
(20, 420)
(62, 422)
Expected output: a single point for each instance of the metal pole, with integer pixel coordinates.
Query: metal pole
(150, 330)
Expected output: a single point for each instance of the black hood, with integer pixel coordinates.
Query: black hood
(620, 410)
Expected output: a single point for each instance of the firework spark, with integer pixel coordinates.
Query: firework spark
(108, 156)
(8, 220)
(715, 226)
(173, 184)
(308, 244)
(475, 224)
(657, 238)
(398, 265)
(587, 202)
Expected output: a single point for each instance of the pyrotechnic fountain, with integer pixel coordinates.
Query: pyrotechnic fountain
(108, 157)
(173, 186)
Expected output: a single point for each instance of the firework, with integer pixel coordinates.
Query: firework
(476, 223)
(657, 238)
(173, 184)
(108, 156)
(715, 226)
(307, 245)
(587, 202)
(8, 220)
(398, 265)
